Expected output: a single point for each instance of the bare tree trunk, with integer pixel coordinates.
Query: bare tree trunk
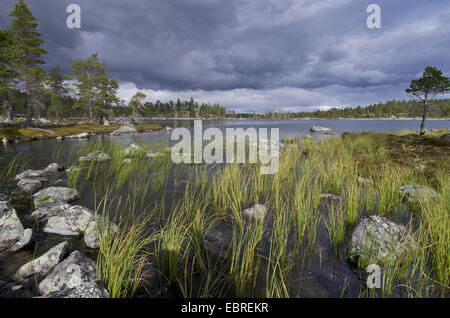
(91, 114)
(7, 106)
(30, 105)
(422, 125)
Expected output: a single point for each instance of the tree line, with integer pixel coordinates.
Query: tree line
(26, 88)
(394, 108)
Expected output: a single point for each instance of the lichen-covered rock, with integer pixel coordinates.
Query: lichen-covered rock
(96, 156)
(92, 232)
(11, 229)
(38, 174)
(377, 239)
(126, 161)
(41, 266)
(54, 195)
(87, 290)
(255, 212)
(417, 192)
(84, 135)
(332, 199)
(30, 174)
(124, 121)
(73, 221)
(23, 241)
(48, 211)
(53, 168)
(91, 235)
(29, 185)
(124, 130)
(72, 272)
(319, 129)
(132, 151)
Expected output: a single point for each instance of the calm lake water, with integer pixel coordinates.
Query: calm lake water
(326, 281)
(298, 128)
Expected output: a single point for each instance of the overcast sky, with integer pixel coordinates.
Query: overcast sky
(251, 55)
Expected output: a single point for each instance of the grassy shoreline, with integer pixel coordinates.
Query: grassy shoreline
(186, 221)
(33, 133)
(268, 257)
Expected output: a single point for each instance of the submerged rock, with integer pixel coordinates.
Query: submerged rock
(42, 265)
(319, 129)
(416, 192)
(124, 130)
(54, 196)
(60, 183)
(255, 212)
(74, 271)
(218, 242)
(11, 229)
(86, 290)
(10, 290)
(96, 156)
(73, 221)
(29, 185)
(378, 239)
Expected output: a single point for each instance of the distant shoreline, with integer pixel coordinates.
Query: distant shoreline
(306, 119)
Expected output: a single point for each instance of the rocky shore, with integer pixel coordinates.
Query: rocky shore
(80, 130)
(60, 271)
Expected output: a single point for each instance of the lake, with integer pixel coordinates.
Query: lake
(40, 153)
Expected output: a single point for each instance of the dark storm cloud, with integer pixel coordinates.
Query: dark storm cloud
(252, 54)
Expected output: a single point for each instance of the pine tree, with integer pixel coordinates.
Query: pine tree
(88, 75)
(7, 74)
(136, 103)
(55, 82)
(426, 88)
(107, 96)
(27, 52)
